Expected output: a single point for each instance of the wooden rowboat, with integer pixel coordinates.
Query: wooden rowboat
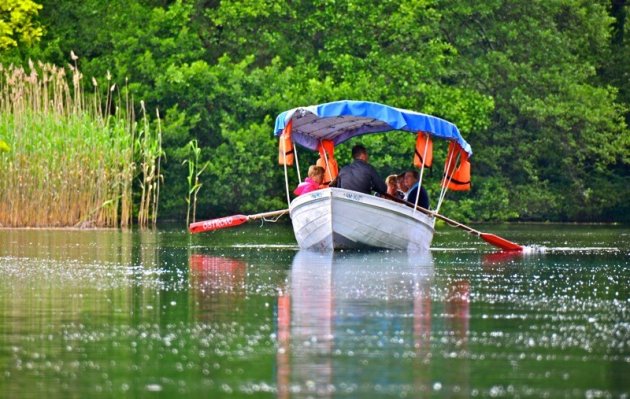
(334, 218)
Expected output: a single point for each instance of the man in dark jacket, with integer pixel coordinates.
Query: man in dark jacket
(360, 175)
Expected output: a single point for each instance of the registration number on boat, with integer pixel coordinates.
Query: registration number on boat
(353, 196)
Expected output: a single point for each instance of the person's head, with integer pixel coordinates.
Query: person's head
(411, 177)
(401, 182)
(392, 184)
(316, 173)
(359, 152)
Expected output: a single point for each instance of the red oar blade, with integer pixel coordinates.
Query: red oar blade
(501, 242)
(216, 224)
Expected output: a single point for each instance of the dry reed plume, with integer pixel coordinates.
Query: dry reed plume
(69, 161)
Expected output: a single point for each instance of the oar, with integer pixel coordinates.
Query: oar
(230, 221)
(487, 237)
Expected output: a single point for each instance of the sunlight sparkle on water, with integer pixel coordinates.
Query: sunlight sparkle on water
(117, 314)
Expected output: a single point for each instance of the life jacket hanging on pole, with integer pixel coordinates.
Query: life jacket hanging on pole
(327, 160)
(424, 149)
(457, 174)
(285, 146)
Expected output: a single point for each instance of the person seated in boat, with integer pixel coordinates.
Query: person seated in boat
(312, 182)
(360, 175)
(411, 180)
(401, 184)
(392, 187)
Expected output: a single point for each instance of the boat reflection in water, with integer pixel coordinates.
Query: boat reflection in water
(498, 262)
(218, 285)
(361, 323)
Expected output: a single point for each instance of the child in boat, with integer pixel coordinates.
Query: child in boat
(312, 182)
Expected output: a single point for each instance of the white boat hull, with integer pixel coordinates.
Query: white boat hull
(335, 218)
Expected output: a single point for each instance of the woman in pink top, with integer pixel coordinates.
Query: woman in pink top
(312, 182)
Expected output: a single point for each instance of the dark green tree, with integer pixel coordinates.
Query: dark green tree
(556, 132)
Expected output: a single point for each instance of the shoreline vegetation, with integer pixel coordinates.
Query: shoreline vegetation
(69, 158)
(539, 89)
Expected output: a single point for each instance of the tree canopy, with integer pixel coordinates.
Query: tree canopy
(539, 88)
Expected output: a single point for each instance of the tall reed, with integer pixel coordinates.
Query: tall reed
(194, 185)
(149, 145)
(70, 162)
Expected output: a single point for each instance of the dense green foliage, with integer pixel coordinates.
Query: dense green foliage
(539, 88)
(17, 24)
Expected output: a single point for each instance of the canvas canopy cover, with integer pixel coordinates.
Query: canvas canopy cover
(339, 121)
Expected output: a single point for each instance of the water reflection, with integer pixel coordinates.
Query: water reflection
(497, 262)
(361, 323)
(134, 314)
(217, 286)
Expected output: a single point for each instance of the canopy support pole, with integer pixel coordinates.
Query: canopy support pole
(444, 182)
(330, 178)
(287, 130)
(297, 163)
(286, 182)
(424, 157)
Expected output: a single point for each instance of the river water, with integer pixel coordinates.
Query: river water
(242, 313)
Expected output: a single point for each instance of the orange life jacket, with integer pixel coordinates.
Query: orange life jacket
(423, 142)
(285, 146)
(326, 150)
(457, 177)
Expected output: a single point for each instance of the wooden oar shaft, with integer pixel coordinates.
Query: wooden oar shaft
(435, 214)
(452, 222)
(230, 221)
(267, 214)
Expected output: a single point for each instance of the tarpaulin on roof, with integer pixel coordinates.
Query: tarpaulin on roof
(339, 121)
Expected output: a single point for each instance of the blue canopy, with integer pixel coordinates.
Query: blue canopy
(341, 120)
